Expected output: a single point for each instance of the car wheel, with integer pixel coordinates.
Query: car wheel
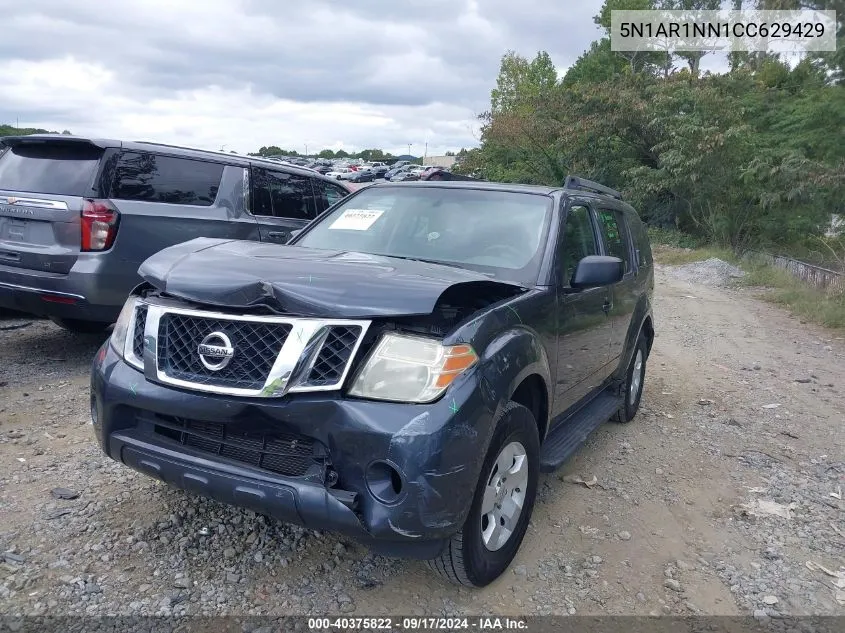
(502, 505)
(634, 381)
(79, 326)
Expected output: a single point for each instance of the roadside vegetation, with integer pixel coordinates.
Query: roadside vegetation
(718, 165)
(749, 159)
(778, 286)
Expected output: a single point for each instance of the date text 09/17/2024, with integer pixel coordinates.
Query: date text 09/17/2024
(420, 623)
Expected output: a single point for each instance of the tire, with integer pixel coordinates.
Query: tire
(78, 326)
(634, 381)
(467, 559)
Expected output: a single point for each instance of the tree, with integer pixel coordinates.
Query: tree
(520, 82)
(693, 58)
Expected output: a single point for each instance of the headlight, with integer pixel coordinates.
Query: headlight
(121, 327)
(411, 369)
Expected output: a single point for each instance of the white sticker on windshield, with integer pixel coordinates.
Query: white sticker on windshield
(356, 219)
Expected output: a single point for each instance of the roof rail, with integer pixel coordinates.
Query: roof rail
(582, 184)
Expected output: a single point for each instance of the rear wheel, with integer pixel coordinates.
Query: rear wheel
(78, 326)
(502, 505)
(634, 381)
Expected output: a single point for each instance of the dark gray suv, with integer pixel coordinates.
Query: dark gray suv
(79, 215)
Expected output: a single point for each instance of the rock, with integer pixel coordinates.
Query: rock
(13, 558)
(760, 614)
(757, 366)
(658, 471)
(597, 560)
(258, 557)
(671, 583)
(182, 583)
(343, 598)
(641, 596)
(64, 493)
(229, 552)
(232, 577)
(93, 587)
(624, 536)
(770, 600)
(520, 570)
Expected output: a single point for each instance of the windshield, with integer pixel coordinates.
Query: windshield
(497, 232)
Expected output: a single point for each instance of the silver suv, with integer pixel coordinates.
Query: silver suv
(79, 215)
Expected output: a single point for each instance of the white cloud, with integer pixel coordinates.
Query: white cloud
(247, 73)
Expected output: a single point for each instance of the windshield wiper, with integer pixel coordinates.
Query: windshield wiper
(439, 263)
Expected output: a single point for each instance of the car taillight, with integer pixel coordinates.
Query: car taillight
(99, 225)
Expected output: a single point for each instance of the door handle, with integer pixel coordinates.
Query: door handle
(278, 236)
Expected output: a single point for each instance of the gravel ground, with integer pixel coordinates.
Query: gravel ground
(723, 497)
(710, 272)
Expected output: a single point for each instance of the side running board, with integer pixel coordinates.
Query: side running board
(568, 436)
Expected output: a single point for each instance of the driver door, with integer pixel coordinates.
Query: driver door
(583, 337)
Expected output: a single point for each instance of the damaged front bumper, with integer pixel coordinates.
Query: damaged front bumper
(397, 477)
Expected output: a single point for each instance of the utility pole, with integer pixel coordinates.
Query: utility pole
(425, 154)
(409, 149)
(306, 149)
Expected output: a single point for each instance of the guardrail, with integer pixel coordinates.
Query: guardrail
(822, 278)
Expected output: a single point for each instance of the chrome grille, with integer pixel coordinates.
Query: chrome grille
(268, 356)
(138, 331)
(256, 345)
(334, 355)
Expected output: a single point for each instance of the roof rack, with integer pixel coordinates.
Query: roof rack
(582, 184)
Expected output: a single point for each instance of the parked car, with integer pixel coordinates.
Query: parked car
(401, 372)
(379, 171)
(362, 175)
(79, 215)
(338, 172)
(405, 175)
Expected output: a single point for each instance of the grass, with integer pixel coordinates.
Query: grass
(672, 256)
(805, 301)
(674, 248)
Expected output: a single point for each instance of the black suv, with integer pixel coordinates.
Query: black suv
(401, 372)
(79, 215)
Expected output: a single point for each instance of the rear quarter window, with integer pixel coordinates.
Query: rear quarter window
(641, 242)
(149, 177)
(65, 169)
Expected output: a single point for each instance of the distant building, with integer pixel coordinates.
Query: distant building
(440, 161)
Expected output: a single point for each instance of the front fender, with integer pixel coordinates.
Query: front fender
(509, 359)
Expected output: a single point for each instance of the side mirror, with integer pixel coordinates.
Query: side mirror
(597, 270)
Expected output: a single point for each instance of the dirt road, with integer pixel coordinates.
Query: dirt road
(743, 416)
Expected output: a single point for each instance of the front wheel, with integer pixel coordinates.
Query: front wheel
(502, 505)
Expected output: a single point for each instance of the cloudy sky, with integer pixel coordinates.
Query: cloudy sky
(241, 74)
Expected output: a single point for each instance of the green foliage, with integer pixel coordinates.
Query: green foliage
(752, 158)
(273, 150)
(10, 130)
(673, 238)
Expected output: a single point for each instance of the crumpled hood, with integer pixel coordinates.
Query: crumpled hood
(302, 281)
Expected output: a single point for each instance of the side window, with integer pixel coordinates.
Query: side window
(579, 241)
(282, 195)
(615, 237)
(328, 193)
(148, 177)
